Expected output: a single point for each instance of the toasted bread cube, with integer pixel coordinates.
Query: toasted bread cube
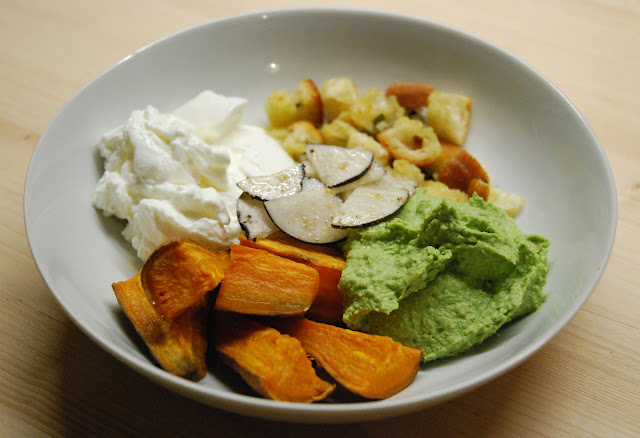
(298, 135)
(480, 188)
(460, 170)
(281, 108)
(373, 112)
(411, 96)
(284, 107)
(511, 203)
(361, 140)
(338, 94)
(437, 188)
(411, 140)
(449, 115)
(341, 133)
(279, 133)
(337, 132)
(449, 150)
(407, 169)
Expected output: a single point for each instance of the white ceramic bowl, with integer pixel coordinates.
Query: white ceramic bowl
(529, 137)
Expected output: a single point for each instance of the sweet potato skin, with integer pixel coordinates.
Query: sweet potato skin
(274, 365)
(261, 283)
(178, 346)
(372, 366)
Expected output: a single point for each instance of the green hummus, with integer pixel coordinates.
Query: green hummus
(442, 275)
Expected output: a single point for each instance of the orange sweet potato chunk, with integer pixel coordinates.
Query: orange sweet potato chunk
(327, 306)
(274, 365)
(179, 273)
(180, 345)
(460, 170)
(261, 283)
(372, 366)
(285, 246)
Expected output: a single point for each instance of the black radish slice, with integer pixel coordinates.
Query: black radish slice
(368, 205)
(308, 214)
(375, 173)
(335, 165)
(283, 183)
(253, 217)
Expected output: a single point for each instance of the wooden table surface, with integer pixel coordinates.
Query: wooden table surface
(56, 382)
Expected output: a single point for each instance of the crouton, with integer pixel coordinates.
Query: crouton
(407, 169)
(411, 140)
(410, 96)
(279, 133)
(337, 132)
(449, 115)
(449, 150)
(479, 187)
(511, 203)
(338, 94)
(298, 135)
(373, 111)
(437, 188)
(284, 107)
(364, 141)
(460, 170)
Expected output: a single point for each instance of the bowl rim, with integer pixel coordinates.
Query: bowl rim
(343, 412)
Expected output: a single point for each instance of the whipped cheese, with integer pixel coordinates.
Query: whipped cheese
(174, 175)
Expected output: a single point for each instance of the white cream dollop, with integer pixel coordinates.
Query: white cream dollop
(174, 175)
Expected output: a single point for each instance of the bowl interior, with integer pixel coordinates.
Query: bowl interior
(529, 137)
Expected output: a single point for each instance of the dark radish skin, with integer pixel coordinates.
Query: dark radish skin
(254, 219)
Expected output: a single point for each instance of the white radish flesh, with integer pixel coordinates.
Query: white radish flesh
(253, 217)
(265, 187)
(336, 166)
(375, 173)
(308, 214)
(368, 205)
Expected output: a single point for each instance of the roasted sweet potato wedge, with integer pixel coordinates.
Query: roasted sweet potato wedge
(261, 283)
(327, 306)
(285, 246)
(179, 346)
(179, 273)
(274, 365)
(372, 366)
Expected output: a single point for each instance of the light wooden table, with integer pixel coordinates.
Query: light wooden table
(54, 381)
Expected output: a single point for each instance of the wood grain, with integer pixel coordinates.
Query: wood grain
(54, 381)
